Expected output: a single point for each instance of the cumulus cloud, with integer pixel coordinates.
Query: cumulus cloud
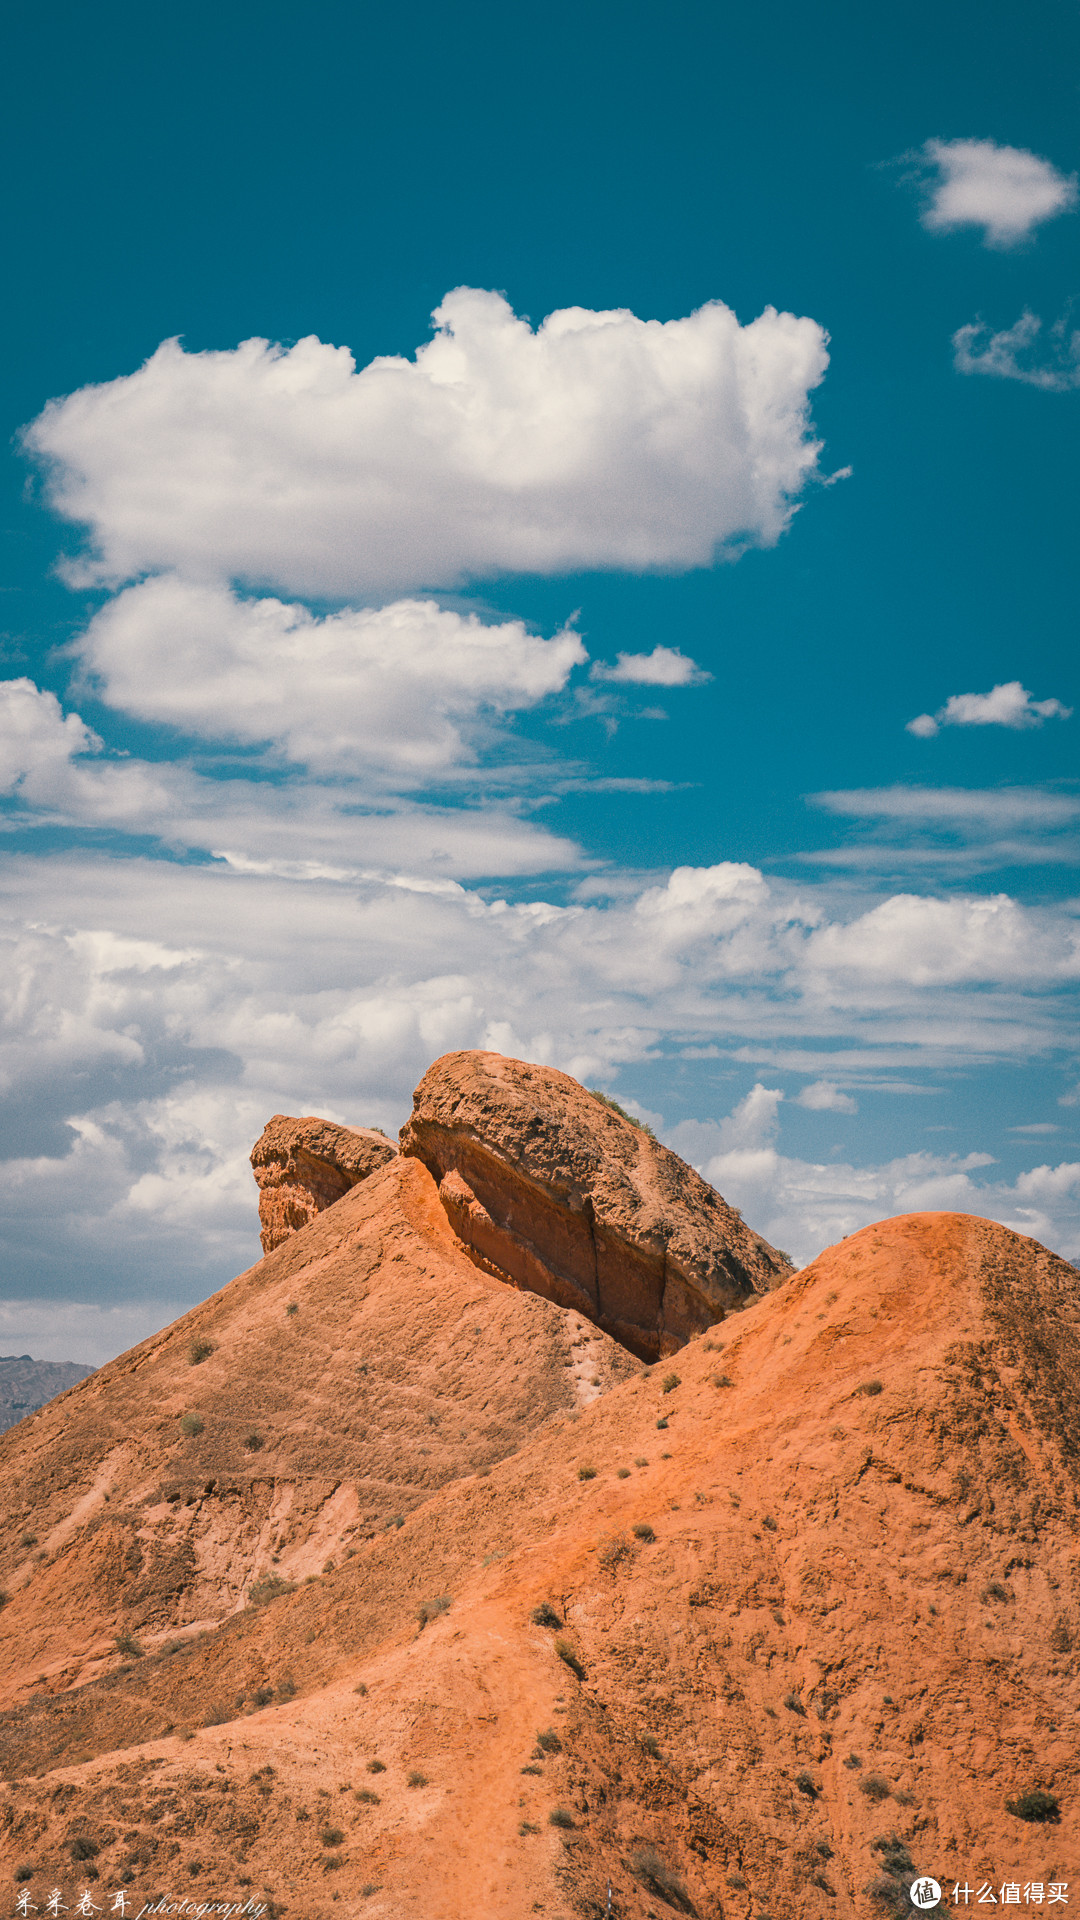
(595, 440)
(1018, 353)
(1007, 705)
(926, 942)
(663, 667)
(824, 1096)
(47, 762)
(398, 693)
(1007, 191)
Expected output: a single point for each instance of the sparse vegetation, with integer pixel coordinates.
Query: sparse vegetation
(532, 1769)
(375, 1766)
(651, 1745)
(367, 1798)
(267, 1587)
(568, 1657)
(1034, 1804)
(431, 1609)
(331, 1836)
(806, 1784)
(723, 1380)
(654, 1873)
(669, 1383)
(586, 1473)
(640, 1461)
(895, 1857)
(83, 1848)
(613, 1551)
(262, 1696)
(794, 1704)
(643, 1531)
(416, 1779)
(548, 1741)
(606, 1101)
(332, 1862)
(560, 1817)
(200, 1350)
(527, 1827)
(292, 1307)
(1060, 1637)
(545, 1616)
(853, 1760)
(769, 1523)
(25, 1872)
(871, 1388)
(662, 1422)
(623, 1473)
(253, 1441)
(28, 1540)
(126, 1643)
(875, 1787)
(995, 1591)
(191, 1424)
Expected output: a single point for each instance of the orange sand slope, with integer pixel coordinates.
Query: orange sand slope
(816, 1580)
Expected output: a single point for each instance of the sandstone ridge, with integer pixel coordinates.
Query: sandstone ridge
(554, 1189)
(815, 1636)
(302, 1166)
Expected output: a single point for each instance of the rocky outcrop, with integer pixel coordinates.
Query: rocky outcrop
(551, 1187)
(302, 1166)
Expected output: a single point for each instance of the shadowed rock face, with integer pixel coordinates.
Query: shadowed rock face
(551, 1188)
(303, 1166)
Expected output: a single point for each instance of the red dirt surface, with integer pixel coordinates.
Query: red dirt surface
(817, 1583)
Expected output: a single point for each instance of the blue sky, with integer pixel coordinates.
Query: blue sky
(542, 687)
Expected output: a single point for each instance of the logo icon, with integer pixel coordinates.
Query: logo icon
(925, 1893)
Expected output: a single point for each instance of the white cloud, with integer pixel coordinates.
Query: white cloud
(803, 1206)
(153, 1014)
(823, 1096)
(954, 829)
(928, 942)
(987, 807)
(1013, 354)
(597, 440)
(663, 667)
(399, 694)
(51, 768)
(1007, 705)
(1007, 191)
(46, 762)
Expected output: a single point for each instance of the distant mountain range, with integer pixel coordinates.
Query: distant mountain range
(27, 1384)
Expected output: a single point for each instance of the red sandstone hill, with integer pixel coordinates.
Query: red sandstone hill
(765, 1627)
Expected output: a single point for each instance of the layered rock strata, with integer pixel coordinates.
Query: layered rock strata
(551, 1187)
(303, 1165)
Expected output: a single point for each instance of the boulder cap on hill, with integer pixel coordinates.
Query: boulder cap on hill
(552, 1186)
(303, 1165)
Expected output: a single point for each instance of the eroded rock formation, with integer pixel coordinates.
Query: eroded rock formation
(303, 1166)
(555, 1190)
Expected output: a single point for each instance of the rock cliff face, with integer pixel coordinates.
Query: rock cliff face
(302, 1166)
(553, 1189)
